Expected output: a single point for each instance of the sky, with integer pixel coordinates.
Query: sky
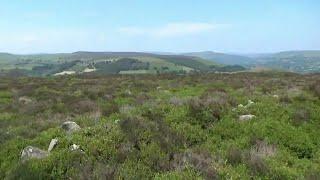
(237, 26)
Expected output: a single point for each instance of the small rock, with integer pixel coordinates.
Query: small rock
(70, 126)
(128, 92)
(246, 117)
(31, 152)
(25, 100)
(74, 147)
(250, 103)
(276, 96)
(52, 144)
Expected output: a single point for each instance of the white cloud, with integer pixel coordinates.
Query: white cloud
(173, 29)
(50, 40)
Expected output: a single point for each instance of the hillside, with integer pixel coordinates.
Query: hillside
(199, 126)
(222, 58)
(154, 63)
(295, 61)
(105, 63)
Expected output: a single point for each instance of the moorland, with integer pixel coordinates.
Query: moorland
(244, 125)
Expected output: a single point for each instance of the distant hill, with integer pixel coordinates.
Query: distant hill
(222, 58)
(107, 63)
(295, 61)
(154, 63)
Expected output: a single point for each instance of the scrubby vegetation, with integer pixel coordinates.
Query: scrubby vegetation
(162, 126)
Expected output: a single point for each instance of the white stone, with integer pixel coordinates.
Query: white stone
(246, 117)
(65, 73)
(25, 100)
(74, 147)
(250, 103)
(87, 70)
(52, 144)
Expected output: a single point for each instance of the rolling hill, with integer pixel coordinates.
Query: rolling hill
(295, 61)
(154, 63)
(228, 59)
(106, 63)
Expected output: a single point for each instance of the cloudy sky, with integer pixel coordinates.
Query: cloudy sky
(239, 26)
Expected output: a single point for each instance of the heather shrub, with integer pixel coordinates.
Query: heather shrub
(256, 164)
(200, 160)
(234, 155)
(300, 115)
(162, 126)
(109, 108)
(312, 175)
(134, 169)
(285, 99)
(141, 98)
(84, 106)
(206, 110)
(315, 88)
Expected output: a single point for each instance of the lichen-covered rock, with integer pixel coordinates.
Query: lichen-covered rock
(31, 152)
(70, 126)
(52, 144)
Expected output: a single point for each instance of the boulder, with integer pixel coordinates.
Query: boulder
(52, 144)
(70, 126)
(246, 117)
(31, 152)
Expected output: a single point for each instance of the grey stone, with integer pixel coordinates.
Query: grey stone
(70, 126)
(31, 152)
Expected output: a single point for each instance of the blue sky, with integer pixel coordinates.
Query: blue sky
(239, 26)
